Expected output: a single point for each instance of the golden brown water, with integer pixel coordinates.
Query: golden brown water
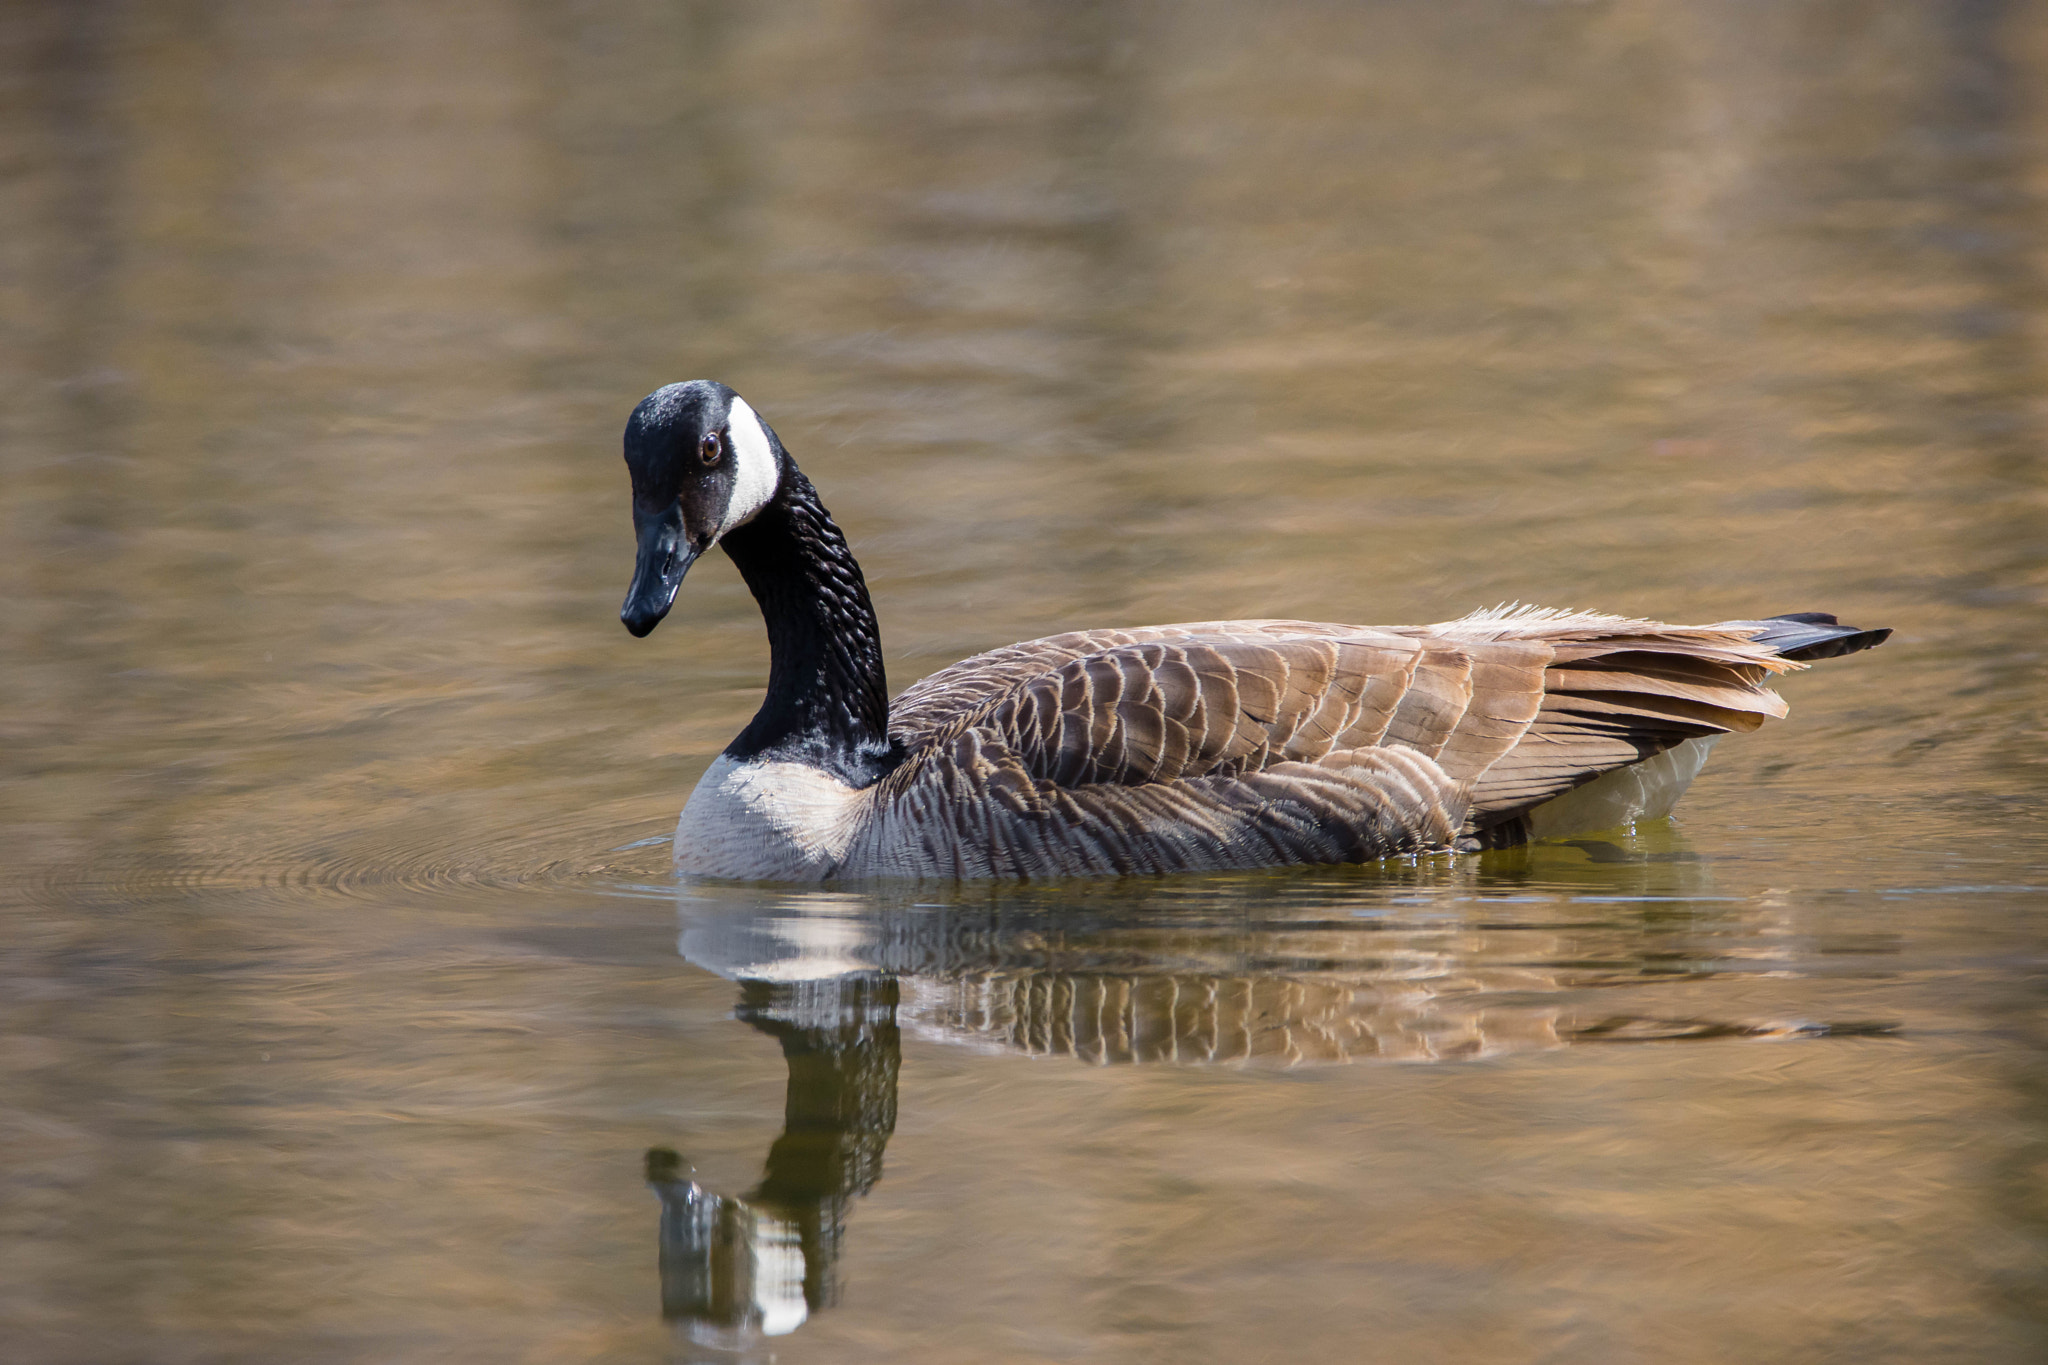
(345, 994)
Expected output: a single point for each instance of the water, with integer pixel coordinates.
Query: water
(348, 1009)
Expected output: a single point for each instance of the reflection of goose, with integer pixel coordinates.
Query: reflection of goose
(831, 975)
(1168, 748)
(761, 1263)
(1138, 988)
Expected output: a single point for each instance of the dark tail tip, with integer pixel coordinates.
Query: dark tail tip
(1808, 635)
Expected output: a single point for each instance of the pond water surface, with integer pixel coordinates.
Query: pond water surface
(347, 1008)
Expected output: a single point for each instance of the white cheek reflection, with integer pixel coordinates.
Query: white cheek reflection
(778, 1254)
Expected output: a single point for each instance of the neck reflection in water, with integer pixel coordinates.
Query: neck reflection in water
(733, 1269)
(1542, 949)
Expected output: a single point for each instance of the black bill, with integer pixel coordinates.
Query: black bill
(665, 556)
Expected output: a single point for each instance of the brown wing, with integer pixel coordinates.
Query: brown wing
(960, 688)
(1170, 710)
(1612, 692)
(972, 806)
(1239, 744)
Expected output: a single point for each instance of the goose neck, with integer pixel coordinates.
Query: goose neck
(828, 698)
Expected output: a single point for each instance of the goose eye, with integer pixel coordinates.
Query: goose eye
(709, 449)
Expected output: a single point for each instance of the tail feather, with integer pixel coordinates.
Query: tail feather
(1617, 692)
(1804, 636)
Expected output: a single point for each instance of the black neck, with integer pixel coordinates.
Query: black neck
(828, 701)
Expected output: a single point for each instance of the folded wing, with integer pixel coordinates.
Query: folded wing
(1254, 743)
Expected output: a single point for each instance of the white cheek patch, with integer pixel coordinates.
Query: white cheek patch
(754, 473)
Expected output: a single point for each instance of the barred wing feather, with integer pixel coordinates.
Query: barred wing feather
(1255, 743)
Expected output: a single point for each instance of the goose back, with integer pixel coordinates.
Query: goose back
(1216, 745)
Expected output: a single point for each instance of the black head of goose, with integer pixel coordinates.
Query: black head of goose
(1206, 746)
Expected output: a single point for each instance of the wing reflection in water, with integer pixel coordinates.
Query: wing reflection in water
(1282, 972)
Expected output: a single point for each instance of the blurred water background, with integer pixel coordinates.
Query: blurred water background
(347, 1011)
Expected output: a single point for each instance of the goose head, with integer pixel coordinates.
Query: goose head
(703, 464)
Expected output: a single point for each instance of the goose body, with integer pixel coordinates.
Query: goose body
(1205, 746)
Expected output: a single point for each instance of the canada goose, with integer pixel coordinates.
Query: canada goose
(1219, 744)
